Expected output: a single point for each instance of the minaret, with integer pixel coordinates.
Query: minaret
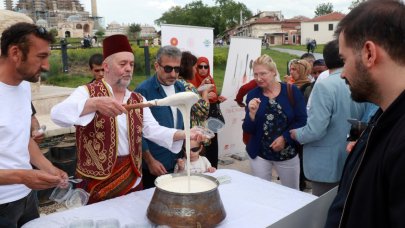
(8, 4)
(74, 6)
(94, 8)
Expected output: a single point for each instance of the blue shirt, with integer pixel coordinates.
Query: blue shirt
(296, 115)
(151, 89)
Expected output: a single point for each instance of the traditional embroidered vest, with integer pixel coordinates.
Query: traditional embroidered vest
(97, 143)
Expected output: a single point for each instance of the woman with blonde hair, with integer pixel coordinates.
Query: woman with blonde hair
(273, 109)
(299, 71)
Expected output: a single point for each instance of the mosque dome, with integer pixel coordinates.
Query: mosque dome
(42, 22)
(74, 18)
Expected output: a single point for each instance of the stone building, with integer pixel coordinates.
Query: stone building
(271, 27)
(68, 17)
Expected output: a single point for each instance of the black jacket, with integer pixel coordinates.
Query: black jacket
(372, 188)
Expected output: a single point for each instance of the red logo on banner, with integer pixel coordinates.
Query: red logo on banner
(174, 41)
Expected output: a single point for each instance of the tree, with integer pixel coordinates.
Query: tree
(133, 30)
(54, 32)
(323, 8)
(228, 15)
(195, 13)
(100, 32)
(355, 3)
(221, 16)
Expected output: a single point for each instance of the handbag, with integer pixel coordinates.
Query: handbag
(215, 111)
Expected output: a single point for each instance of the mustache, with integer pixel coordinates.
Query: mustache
(43, 70)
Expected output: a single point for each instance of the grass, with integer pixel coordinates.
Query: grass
(319, 48)
(221, 55)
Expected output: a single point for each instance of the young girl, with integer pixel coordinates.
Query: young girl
(198, 164)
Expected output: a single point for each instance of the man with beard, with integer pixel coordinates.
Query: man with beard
(108, 137)
(324, 135)
(24, 55)
(371, 191)
(158, 160)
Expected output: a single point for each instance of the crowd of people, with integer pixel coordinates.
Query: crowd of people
(297, 127)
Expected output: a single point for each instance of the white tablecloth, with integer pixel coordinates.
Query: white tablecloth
(249, 202)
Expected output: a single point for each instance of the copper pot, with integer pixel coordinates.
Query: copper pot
(174, 209)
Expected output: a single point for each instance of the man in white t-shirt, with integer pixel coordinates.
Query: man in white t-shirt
(25, 51)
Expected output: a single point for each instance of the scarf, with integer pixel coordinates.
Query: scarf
(302, 81)
(196, 81)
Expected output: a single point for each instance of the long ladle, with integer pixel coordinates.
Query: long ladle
(177, 99)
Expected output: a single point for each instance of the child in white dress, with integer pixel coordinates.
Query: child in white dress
(198, 163)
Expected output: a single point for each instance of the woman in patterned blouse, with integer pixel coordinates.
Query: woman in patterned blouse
(273, 109)
(199, 111)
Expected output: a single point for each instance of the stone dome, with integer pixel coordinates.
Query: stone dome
(8, 18)
(74, 18)
(42, 22)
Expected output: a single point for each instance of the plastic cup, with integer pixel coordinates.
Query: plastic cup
(108, 223)
(205, 131)
(77, 198)
(214, 124)
(60, 194)
(83, 223)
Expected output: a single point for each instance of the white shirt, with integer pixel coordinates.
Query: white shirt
(15, 123)
(323, 75)
(67, 114)
(169, 90)
(199, 166)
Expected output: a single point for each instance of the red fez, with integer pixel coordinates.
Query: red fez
(114, 44)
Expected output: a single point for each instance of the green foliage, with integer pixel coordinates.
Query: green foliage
(195, 13)
(222, 16)
(133, 30)
(78, 58)
(54, 32)
(323, 8)
(354, 4)
(318, 49)
(100, 32)
(228, 14)
(71, 81)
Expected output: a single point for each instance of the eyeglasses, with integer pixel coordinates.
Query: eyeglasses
(169, 69)
(203, 66)
(261, 74)
(196, 149)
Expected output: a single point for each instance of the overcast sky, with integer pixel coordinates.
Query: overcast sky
(147, 11)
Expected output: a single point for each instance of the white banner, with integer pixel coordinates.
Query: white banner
(197, 40)
(242, 52)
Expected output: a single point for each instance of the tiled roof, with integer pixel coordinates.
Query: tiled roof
(265, 20)
(334, 16)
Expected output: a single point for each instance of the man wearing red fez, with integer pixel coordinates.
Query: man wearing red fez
(108, 137)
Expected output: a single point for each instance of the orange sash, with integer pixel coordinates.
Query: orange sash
(119, 182)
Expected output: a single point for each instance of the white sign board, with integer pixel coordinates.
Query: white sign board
(242, 52)
(197, 40)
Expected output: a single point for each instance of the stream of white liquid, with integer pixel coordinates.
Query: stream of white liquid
(184, 101)
(185, 112)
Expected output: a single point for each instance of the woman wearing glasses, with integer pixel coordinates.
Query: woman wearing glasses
(202, 77)
(270, 114)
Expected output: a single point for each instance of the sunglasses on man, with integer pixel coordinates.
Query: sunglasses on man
(203, 66)
(169, 69)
